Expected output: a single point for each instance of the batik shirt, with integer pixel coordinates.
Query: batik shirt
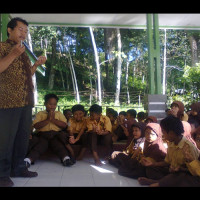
(16, 87)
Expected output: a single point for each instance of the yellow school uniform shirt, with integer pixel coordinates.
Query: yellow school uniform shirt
(194, 167)
(42, 115)
(175, 156)
(103, 124)
(76, 127)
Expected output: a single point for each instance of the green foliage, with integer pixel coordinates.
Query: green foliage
(134, 50)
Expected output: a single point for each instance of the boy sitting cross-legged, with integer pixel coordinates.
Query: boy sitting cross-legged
(49, 125)
(76, 130)
(99, 130)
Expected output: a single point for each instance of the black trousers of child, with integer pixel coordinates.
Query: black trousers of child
(53, 139)
(83, 141)
(15, 129)
(106, 140)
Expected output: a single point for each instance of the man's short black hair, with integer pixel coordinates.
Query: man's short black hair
(96, 109)
(132, 112)
(172, 123)
(78, 107)
(13, 23)
(49, 96)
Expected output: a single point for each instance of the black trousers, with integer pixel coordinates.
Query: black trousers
(54, 139)
(15, 129)
(106, 140)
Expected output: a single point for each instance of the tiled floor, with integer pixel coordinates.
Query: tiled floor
(51, 173)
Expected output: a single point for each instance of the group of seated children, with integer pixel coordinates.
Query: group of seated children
(59, 132)
(157, 154)
(153, 163)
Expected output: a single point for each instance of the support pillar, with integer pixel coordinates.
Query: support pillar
(156, 102)
(3, 27)
(154, 73)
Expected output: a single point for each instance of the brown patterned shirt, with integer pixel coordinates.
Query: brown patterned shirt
(16, 87)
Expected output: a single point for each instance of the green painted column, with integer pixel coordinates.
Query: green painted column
(158, 84)
(154, 71)
(4, 22)
(150, 54)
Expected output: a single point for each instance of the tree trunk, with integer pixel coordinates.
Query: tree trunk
(193, 45)
(74, 81)
(126, 82)
(119, 70)
(53, 62)
(97, 64)
(109, 45)
(63, 82)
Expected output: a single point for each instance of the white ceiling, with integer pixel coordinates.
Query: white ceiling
(138, 20)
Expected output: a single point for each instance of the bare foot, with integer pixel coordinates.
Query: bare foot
(98, 162)
(146, 181)
(154, 185)
(79, 158)
(81, 154)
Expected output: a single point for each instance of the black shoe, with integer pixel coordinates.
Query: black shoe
(6, 182)
(25, 174)
(72, 161)
(67, 162)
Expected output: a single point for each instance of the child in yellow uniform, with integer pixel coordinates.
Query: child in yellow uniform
(77, 129)
(113, 116)
(99, 129)
(49, 125)
(117, 158)
(175, 159)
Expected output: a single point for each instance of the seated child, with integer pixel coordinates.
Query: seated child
(99, 130)
(130, 116)
(187, 132)
(177, 110)
(67, 113)
(153, 150)
(175, 161)
(77, 129)
(118, 132)
(109, 110)
(49, 125)
(151, 119)
(194, 115)
(113, 116)
(117, 157)
(141, 116)
(196, 137)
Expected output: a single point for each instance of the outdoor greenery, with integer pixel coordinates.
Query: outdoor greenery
(71, 60)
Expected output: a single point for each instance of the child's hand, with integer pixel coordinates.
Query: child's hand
(136, 153)
(52, 115)
(174, 169)
(145, 162)
(71, 139)
(114, 154)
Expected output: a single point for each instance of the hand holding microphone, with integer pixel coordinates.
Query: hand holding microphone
(17, 50)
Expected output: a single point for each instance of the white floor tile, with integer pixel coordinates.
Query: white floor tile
(51, 173)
